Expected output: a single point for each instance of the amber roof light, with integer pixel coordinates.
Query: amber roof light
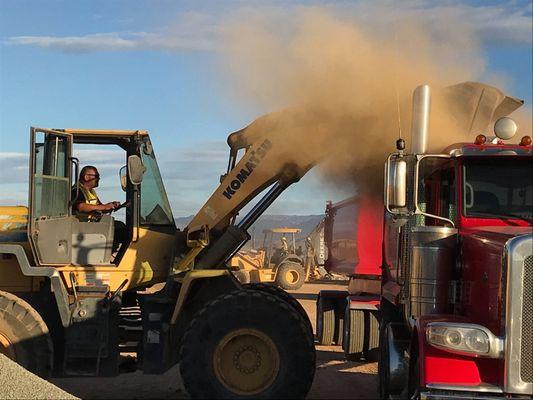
(480, 139)
(526, 141)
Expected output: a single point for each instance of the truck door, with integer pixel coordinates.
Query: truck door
(49, 227)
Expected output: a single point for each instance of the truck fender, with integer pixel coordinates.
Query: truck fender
(60, 292)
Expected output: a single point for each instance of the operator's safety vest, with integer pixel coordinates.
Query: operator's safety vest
(90, 198)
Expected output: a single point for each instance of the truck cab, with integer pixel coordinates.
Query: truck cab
(456, 286)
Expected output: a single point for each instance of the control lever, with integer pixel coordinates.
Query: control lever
(73, 283)
(110, 297)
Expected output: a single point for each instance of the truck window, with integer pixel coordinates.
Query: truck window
(437, 191)
(50, 176)
(155, 208)
(498, 187)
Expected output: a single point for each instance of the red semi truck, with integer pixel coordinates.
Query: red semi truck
(456, 302)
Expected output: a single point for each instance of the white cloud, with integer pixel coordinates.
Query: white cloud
(501, 24)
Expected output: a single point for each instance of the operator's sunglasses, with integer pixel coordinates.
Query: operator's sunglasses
(95, 175)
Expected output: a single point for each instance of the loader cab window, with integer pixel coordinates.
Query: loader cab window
(155, 208)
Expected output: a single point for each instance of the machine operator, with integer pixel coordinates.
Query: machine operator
(86, 204)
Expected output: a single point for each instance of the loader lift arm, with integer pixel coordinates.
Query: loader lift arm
(270, 159)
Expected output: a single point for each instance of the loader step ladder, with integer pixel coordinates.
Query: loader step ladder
(87, 339)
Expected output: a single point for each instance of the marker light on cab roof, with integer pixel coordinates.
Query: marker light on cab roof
(526, 141)
(480, 139)
(505, 128)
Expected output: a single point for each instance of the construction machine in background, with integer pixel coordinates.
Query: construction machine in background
(278, 260)
(454, 312)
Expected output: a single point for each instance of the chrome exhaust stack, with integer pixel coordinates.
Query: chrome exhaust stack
(420, 119)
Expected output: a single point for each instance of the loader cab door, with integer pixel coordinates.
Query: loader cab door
(49, 228)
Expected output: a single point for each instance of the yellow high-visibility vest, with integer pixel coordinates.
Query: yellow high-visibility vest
(90, 198)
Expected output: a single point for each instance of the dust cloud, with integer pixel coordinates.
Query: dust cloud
(345, 87)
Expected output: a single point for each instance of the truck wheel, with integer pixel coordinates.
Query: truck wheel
(325, 320)
(354, 334)
(372, 345)
(383, 361)
(277, 291)
(290, 276)
(24, 336)
(247, 355)
(340, 315)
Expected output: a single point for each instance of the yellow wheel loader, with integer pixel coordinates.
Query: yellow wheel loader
(273, 263)
(70, 304)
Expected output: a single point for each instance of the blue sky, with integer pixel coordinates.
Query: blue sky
(155, 65)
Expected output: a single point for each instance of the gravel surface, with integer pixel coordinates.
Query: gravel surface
(335, 377)
(18, 383)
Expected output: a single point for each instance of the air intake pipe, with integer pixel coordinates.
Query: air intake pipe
(420, 119)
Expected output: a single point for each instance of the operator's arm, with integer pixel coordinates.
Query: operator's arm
(88, 208)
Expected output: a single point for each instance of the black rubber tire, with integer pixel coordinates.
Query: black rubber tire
(340, 311)
(290, 267)
(282, 294)
(242, 276)
(413, 390)
(247, 309)
(325, 320)
(28, 335)
(354, 334)
(383, 361)
(371, 349)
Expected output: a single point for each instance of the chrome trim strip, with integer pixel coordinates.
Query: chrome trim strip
(516, 251)
(483, 388)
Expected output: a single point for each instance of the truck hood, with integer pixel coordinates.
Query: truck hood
(496, 234)
(482, 297)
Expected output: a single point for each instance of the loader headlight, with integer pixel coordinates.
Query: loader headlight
(468, 339)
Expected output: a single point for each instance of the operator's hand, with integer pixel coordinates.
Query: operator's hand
(111, 206)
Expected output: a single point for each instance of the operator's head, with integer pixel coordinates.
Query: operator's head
(89, 177)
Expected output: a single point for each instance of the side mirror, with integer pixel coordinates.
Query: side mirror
(136, 169)
(395, 183)
(123, 174)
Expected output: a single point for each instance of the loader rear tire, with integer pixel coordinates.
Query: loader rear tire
(24, 336)
(247, 344)
(290, 276)
(282, 294)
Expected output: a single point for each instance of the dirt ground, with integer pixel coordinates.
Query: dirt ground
(335, 377)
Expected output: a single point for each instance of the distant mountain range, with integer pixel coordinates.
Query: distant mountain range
(304, 222)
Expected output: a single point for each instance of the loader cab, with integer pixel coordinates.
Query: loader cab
(59, 238)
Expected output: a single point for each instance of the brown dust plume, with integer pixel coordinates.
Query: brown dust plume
(341, 85)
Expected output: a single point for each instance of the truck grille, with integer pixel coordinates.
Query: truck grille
(518, 377)
(526, 358)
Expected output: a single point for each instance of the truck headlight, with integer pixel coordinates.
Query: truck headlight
(468, 339)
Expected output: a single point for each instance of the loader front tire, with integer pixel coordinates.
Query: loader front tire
(247, 344)
(282, 294)
(24, 336)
